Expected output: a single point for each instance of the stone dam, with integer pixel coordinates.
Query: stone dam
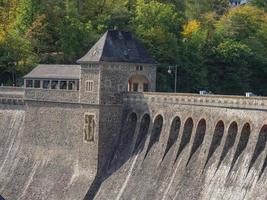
(169, 146)
(98, 130)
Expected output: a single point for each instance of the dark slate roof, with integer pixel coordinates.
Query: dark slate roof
(117, 46)
(55, 72)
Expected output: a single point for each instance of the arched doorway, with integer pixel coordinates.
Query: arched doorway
(138, 83)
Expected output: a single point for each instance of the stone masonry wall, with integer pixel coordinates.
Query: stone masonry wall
(90, 73)
(64, 96)
(55, 131)
(109, 130)
(217, 149)
(115, 77)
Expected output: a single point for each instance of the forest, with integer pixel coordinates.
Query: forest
(216, 47)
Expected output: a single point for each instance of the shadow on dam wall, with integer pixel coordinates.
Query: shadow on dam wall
(182, 152)
(136, 125)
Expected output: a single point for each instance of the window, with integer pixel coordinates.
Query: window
(29, 83)
(145, 87)
(139, 68)
(54, 85)
(71, 85)
(46, 84)
(89, 86)
(135, 87)
(77, 84)
(37, 84)
(63, 85)
(89, 127)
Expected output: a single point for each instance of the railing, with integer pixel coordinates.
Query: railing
(199, 100)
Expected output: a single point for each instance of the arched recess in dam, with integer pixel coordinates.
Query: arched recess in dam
(130, 128)
(199, 137)
(187, 132)
(230, 141)
(125, 140)
(260, 146)
(242, 144)
(173, 135)
(156, 131)
(142, 134)
(216, 140)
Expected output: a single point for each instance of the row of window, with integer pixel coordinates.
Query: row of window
(139, 68)
(52, 84)
(74, 85)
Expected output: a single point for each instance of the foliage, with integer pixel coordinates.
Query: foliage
(215, 47)
(190, 28)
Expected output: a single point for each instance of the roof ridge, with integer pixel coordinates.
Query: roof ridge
(105, 43)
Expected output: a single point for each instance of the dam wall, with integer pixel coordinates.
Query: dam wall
(43, 154)
(154, 146)
(186, 146)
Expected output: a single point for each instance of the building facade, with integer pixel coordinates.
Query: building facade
(116, 64)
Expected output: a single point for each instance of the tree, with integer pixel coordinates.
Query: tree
(158, 26)
(248, 25)
(17, 57)
(75, 38)
(232, 73)
(260, 4)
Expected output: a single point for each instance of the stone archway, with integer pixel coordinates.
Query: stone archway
(138, 83)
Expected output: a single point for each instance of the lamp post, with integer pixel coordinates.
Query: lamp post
(175, 80)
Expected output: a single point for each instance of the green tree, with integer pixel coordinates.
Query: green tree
(158, 26)
(232, 67)
(260, 4)
(75, 38)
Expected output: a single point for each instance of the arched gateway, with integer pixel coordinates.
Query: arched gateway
(138, 83)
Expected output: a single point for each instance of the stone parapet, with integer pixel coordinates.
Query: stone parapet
(64, 96)
(258, 103)
(12, 95)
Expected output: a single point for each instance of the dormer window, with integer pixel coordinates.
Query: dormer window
(89, 86)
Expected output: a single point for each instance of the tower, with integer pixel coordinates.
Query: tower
(116, 64)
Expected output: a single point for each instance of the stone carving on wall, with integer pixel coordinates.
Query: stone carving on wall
(89, 127)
